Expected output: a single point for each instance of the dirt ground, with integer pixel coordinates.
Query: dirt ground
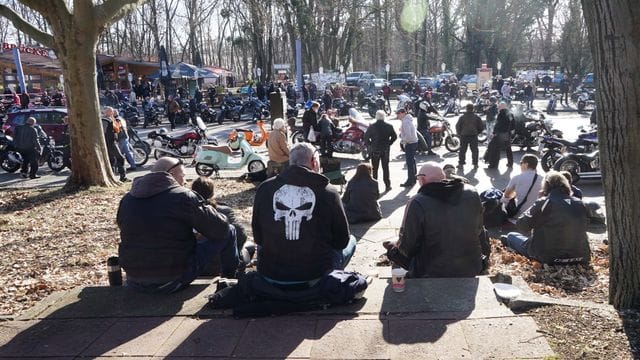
(53, 241)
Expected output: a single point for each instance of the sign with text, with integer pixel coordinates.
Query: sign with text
(28, 50)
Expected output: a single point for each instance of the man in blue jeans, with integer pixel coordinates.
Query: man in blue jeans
(409, 138)
(299, 224)
(158, 221)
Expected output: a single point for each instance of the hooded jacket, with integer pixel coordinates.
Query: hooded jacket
(361, 200)
(298, 222)
(440, 231)
(156, 220)
(558, 224)
(380, 135)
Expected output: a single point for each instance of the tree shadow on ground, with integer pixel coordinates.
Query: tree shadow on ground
(34, 198)
(102, 321)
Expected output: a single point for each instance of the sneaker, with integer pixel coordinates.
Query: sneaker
(34, 176)
(431, 153)
(407, 184)
(387, 189)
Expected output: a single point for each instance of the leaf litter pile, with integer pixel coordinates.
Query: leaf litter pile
(52, 240)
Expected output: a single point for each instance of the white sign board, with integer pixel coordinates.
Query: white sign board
(323, 80)
(281, 66)
(484, 76)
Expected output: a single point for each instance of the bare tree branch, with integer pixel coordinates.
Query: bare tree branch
(22, 25)
(112, 10)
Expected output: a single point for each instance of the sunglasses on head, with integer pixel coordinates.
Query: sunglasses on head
(180, 162)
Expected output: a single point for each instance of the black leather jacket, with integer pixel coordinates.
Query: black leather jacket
(558, 227)
(440, 231)
(380, 135)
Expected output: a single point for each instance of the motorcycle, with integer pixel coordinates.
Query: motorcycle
(208, 114)
(347, 141)
(253, 138)
(552, 148)
(452, 107)
(583, 100)
(529, 125)
(377, 103)
(210, 159)
(182, 145)
(341, 106)
(229, 109)
(152, 114)
(10, 158)
(441, 132)
(129, 113)
(581, 166)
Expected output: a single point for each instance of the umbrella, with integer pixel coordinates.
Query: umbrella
(183, 69)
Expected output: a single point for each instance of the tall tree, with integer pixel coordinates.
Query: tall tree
(614, 37)
(74, 35)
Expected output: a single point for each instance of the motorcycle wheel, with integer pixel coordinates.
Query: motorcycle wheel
(387, 109)
(220, 117)
(548, 159)
(452, 143)
(297, 137)
(157, 154)
(366, 155)
(8, 165)
(255, 166)
(144, 145)
(581, 106)
(204, 169)
(140, 155)
(569, 165)
(482, 137)
(56, 161)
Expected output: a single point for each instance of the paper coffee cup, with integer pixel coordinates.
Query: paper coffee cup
(397, 279)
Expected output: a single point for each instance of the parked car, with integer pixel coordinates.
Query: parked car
(50, 119)
(396, 85)
(470, 80)
(406, 75)
(589, 80)
(352, 78)
(365, 79)
(425, 82)
(445, 76)
(556, 80)
(377, 83)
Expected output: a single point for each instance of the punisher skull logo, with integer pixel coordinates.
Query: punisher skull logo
(292, 204)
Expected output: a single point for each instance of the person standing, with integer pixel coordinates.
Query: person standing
(379, 136)
(110, 129)
(173, 108)
(28, 145)
(491, 112)
(564, 89)
(386, 93)
(123, 141)
(424, 109)
(409, 138)
(502, 137)
(310, 119)
(528, 94)
(468, 127)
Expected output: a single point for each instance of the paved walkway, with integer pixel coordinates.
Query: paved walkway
(432, 319)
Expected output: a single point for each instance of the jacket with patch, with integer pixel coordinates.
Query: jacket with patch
(298, 222)
(558, 227)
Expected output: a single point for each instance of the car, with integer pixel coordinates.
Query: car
(556, 80)
(589, 80)
(406, 75)
(470, 80)
(365, 79)
(445, 76)
(352, 78)
(425, 82)
(378, 83)
(51, 119)
(396, 84)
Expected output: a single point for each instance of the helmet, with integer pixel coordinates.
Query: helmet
(493, 99)
(424, 106)
(163, 131)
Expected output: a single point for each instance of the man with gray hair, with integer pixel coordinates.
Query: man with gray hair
(379, 136)
(299, 224)
(27, 143)
(442, 229)
(157, 218)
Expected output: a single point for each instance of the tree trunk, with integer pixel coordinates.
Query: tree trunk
(614, 37)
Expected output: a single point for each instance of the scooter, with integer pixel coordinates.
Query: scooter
(210, 159)
(253, 138)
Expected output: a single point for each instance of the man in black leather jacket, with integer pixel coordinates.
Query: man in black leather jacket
(158, 219)
(379, 136)
(441, 230)
(557, 225)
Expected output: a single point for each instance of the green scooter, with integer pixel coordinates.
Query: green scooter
(210, 158)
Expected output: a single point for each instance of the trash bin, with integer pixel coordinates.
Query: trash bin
(278, 100)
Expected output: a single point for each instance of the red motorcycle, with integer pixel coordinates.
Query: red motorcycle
(348, 141)
(181, 145)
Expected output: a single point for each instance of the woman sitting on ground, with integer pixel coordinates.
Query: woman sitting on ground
(557, 225)
(204, 187)
(361, 197)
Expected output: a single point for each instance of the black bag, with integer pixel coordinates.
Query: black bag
(513, 209)
(494, 214)
(254, 296)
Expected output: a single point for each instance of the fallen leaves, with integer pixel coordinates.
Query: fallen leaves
(51, 240)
